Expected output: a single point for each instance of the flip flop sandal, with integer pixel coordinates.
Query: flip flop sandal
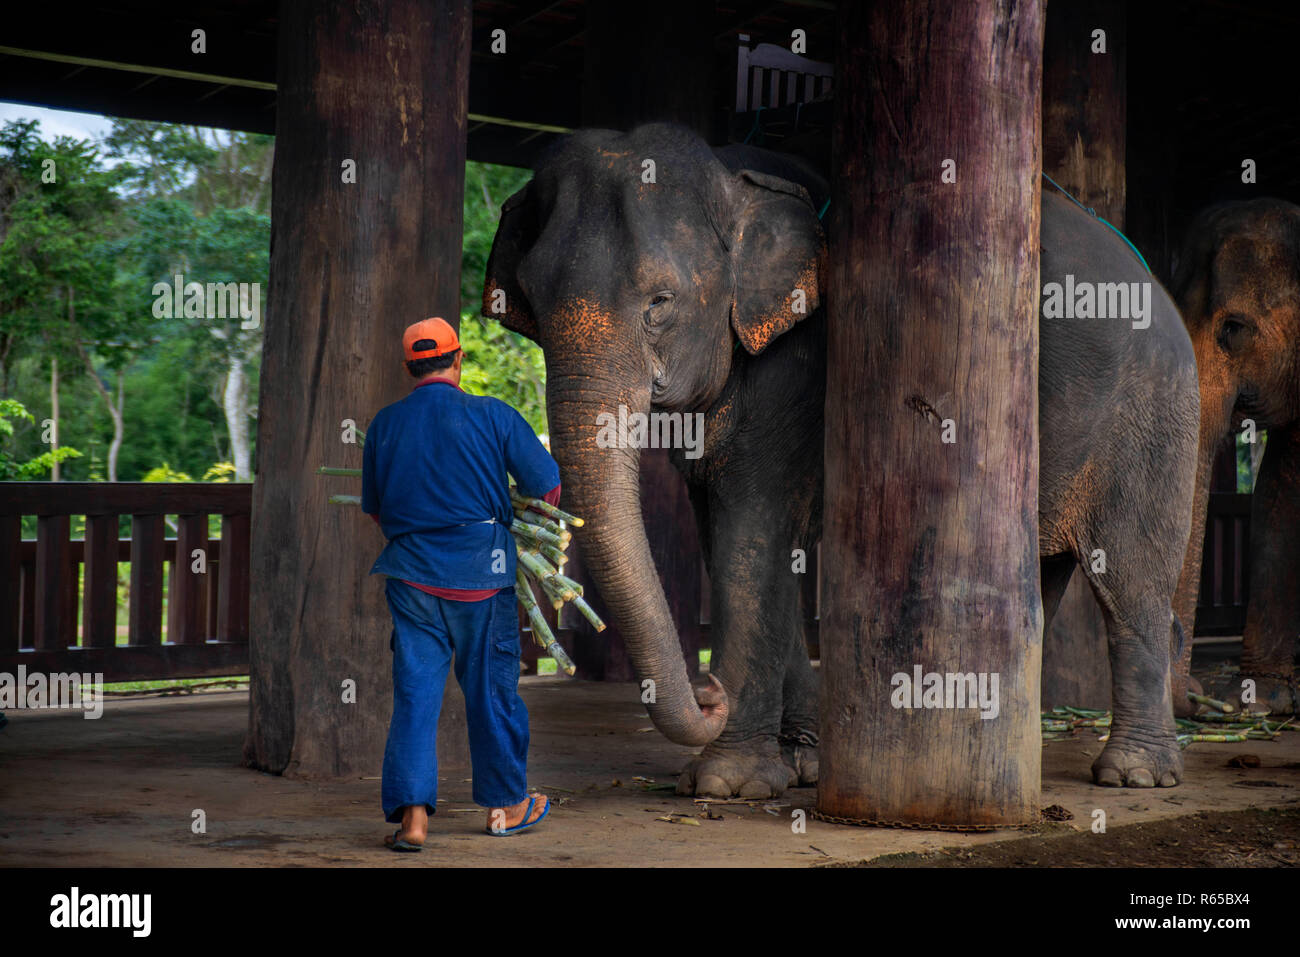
(399, 843)
(525, 823)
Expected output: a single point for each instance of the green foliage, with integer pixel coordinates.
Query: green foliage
(11, 469)
(1248, 457)
(501, 363)
(497, 362)
(165, 473)
(220, 472)
(79, 260)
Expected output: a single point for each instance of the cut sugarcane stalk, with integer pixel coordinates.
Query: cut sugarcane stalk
(553, 554)
(545, 507)
(1221, 706)
(536, 565)
(542, 633)
(535, 534)
(541, 521)
(330, 470)
(558, 590)
(563, 535)
(1085, 712)
(588, 613)
(570, 583)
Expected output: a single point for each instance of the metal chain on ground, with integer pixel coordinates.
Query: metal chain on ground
(913, 826)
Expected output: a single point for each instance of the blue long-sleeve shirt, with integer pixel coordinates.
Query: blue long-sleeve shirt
(434, 471)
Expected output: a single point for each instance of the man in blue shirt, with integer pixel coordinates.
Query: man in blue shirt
(434, 478)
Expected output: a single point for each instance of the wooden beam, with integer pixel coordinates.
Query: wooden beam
(930, 555)
(138, 498)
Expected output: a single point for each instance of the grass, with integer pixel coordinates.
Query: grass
(174, 684)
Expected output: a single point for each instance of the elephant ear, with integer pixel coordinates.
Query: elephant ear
(503, 299)
(778, 257)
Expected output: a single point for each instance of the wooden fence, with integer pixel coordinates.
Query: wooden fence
(43, 627)
(41, 624)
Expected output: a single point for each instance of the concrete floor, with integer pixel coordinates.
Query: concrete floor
(121, 791)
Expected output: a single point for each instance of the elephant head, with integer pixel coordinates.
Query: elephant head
(642, 264)
(1238, 288)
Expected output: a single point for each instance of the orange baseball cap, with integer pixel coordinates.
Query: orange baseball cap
(436, 329)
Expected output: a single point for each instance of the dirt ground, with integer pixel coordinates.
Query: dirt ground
(121, 791)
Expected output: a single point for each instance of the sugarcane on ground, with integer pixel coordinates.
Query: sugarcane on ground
(121, 791)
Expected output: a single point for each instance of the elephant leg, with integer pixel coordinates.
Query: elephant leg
(799, 709)
(755, 609)
(1273, 614)
(1143, 748)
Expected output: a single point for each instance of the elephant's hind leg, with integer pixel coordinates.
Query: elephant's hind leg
(1143, 749)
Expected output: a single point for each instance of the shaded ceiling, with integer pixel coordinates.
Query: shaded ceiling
(132, 58)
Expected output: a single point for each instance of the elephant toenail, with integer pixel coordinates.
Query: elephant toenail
(1108, 777)
(712, 786)
(1141, 778)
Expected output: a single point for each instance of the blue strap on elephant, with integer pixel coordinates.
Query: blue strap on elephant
(1093, 213)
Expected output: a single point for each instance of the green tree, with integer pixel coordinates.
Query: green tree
(497, 361)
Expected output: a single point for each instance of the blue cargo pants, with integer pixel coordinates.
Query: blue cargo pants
(485, 638)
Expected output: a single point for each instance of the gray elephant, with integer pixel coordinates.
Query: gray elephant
(698, 289)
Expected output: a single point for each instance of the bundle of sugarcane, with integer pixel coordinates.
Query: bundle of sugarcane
(540, 540)
(541, 537)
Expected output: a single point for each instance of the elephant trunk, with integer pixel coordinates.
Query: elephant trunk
(602, 484)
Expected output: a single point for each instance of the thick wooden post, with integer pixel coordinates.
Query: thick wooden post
(1084, 134)
(641, 69)
(930, 554)
(379, 91)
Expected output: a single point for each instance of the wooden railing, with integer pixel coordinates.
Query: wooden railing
(1225, 566)
(770, 76)
(43, 626)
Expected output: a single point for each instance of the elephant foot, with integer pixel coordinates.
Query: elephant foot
(747, 772)
(1127, 762)
(799, 752)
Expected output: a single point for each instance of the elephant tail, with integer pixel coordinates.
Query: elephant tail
(1180, 636)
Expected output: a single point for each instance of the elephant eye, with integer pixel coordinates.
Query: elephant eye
(655, 312)
(1232, 332)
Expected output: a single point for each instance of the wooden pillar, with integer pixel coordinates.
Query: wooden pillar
(643, 68)
(1084, 135)
(379, 89)
(930, 554)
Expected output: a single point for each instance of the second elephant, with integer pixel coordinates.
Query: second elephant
(1238, 286)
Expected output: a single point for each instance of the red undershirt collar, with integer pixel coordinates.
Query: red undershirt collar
(420, 385)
